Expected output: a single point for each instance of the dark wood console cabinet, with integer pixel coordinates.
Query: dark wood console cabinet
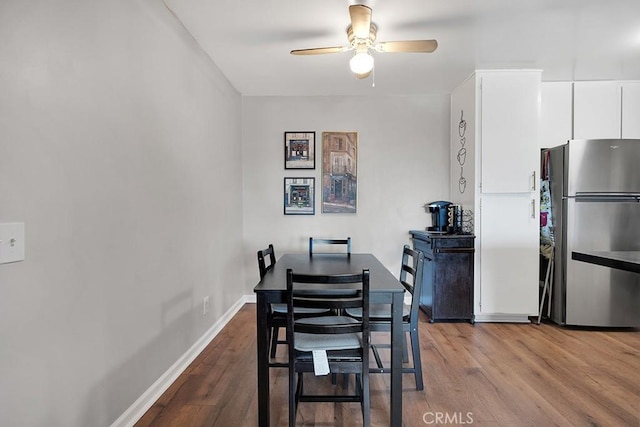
(447, 279)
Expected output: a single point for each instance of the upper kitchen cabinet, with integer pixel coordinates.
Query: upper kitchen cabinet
(631, 110)
(606, 109)
(596, 110)
(556, 113)
(509, 121)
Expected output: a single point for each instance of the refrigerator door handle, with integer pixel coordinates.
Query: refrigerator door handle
(607, 197)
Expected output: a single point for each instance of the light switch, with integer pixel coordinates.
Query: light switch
(11, 242)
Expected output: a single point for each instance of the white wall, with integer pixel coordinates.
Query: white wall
(403, 163)
(120, 148)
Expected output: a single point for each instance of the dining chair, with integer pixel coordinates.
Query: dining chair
(314, 241)
(277, 317)
(380, 316)
(342, 340)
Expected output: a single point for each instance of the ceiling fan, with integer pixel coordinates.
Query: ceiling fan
(362, 35)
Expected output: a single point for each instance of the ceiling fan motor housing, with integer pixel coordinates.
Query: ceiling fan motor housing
(354, 41)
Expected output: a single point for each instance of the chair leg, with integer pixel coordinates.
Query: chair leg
(405, 351)
(292, 398)
(274, 340)
(300, 387)
(366, 401)
(417, 362)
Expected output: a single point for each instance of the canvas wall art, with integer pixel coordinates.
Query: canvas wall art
(339, 172)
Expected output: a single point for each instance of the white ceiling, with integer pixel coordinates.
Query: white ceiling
(250, 42)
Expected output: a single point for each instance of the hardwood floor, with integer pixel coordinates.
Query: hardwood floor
(483, 374)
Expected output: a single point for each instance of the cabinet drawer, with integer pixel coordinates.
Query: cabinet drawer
(443, 244)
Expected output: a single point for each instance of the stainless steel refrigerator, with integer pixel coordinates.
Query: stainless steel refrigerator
(595, 206)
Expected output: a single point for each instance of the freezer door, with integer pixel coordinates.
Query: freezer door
(602, 166)
(597, 295)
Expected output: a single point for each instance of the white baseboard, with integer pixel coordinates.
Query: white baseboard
(153, 393)
(504, 318)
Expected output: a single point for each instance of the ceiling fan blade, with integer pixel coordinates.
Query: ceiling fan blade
(425, 46)
(360, 20)
(319, 50)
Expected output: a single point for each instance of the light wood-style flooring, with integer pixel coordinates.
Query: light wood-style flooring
(487, 374)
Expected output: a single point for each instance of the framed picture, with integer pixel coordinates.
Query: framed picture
(299, 196)
(339, 172)
(299, 150)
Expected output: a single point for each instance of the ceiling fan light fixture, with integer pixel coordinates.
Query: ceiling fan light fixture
(361, 63)
(362, 33)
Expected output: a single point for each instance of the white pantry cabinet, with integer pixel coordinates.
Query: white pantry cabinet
(510, 108)
(495, 153)
(509, 255)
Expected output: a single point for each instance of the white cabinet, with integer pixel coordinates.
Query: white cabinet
(631, 110)
(509, 257)
(606, 109)
(556, 114)
(494, 122)
(510, 105)
(596, 110)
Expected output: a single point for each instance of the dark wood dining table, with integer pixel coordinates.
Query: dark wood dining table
(384, 288)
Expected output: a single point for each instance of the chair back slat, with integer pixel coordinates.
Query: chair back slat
(300, 295)
(314, 241)
(411, 277)
(263, 255)
(334, 301)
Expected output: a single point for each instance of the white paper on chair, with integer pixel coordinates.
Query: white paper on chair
(320, 362)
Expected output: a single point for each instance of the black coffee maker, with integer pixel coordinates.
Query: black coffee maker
(445, 217)
(438, 212)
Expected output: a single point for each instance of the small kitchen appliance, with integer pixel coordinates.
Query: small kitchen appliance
(438, 212)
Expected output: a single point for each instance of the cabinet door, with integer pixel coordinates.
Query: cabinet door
(596, 110)
(509, 247)
(556, 113)
(631, 110)
(510, 115)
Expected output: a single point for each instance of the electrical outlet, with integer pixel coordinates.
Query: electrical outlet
(205, 305)
(11, 242)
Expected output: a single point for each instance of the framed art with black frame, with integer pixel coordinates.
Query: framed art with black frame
(299, 196)
(300, 150)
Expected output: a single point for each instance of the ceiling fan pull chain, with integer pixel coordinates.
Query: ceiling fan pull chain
(373, 77)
